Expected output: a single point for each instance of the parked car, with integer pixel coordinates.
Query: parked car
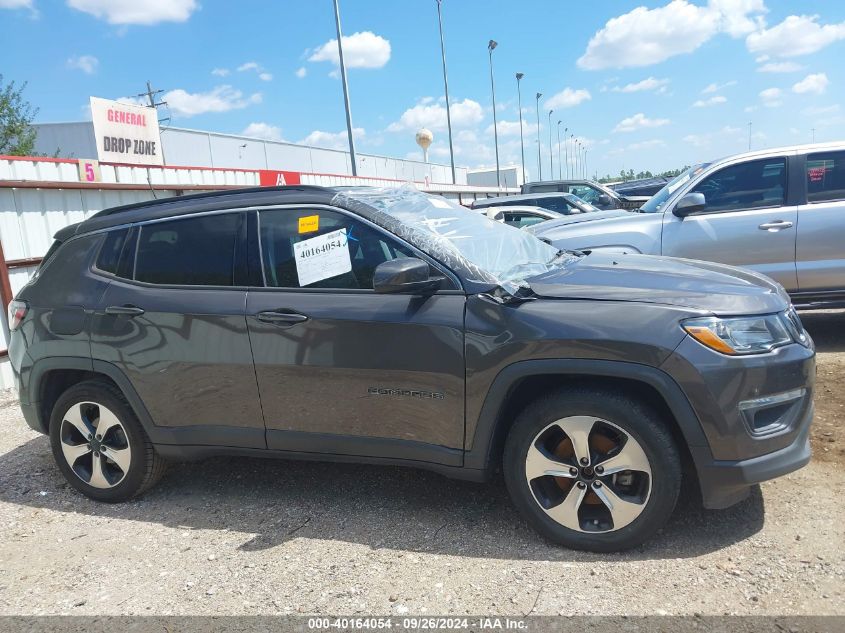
(562, 203)
(644, 187)
(588, 190)
(776, 211)
(392, 327)
(522, 216)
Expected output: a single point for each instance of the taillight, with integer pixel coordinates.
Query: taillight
(17, 312)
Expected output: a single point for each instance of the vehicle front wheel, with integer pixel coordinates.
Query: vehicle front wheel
(592, 469)
(99, 444)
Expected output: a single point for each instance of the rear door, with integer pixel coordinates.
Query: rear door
(342, 369)
(747, 221)
(820, 252)
(172, 320)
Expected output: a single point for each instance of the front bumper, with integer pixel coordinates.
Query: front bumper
(755, 412)
(724, 482)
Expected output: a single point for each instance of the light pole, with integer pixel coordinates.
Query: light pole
(539, 158)
(586, 171)
(490, 47)
(446, 90)
(577, 157)
(566, 149)
(551, 161)
(521, 138)
(345, 89)
(559, 164)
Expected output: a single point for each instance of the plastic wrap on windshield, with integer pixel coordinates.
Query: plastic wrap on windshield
(485, 251)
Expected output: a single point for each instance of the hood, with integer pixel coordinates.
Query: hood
(686, 283)
(576, 219)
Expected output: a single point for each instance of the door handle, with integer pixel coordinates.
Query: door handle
(281, 317)
(775, 225)
(127, 311)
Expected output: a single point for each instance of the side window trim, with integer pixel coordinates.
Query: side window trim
(438, 266)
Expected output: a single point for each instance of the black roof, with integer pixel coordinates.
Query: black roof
(197, 203)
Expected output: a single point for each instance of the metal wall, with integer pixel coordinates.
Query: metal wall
(212, 149)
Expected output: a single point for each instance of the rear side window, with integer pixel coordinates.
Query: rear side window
(750, 185)
(109, 257)
(197, 251)
(826, 176)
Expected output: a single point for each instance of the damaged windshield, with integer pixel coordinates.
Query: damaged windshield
(490, 251)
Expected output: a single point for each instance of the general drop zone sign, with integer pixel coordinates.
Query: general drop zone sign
(126, 133)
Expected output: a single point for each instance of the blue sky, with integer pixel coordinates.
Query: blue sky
(644, 85)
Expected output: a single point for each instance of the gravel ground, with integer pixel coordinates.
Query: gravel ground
(241, 536)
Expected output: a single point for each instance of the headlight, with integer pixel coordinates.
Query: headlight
(740, 335)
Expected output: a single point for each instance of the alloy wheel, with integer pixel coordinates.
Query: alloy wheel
(588, 474)
(95, 444)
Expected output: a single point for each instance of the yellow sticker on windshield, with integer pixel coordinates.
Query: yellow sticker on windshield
(309, 224)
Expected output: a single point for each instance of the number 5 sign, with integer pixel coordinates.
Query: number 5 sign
(89, 170)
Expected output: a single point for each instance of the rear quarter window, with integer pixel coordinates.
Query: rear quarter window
(826, 177)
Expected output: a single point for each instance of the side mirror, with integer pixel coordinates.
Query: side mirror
(405, 275)
(604, 200)
(689, 204)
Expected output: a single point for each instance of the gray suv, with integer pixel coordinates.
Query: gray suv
(778, 212)
(392, 327)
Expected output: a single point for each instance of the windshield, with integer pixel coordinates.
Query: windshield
(583, 205)
(491, 251)
(656, 202)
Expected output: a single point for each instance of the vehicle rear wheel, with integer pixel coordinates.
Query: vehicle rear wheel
(592, 470)
(99, 444)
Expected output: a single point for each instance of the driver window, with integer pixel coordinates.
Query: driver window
(335, 250)
(751, 185)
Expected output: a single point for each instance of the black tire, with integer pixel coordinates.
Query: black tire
(145, 467)
(636, 418)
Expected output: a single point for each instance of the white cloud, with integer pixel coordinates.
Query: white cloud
(697, 140)
(301, 72)
(711, 88)
(820, 110)
(646, 84)
(567, 98)
(360, 50)
(656, 142)
(265, 76)
(645, 36)
(220, 72)
(637, 122)
(780, 67)
(16, 4)
(134, 12)
(812, 84)
(332, 140)
(771, 97)
(263, 130)
(249, 66)
(505, 128)
(797, 35)
(465, 113)
(86, 63)
(705, 103)
(220, 99)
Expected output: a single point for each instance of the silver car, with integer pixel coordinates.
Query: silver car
(780, 212)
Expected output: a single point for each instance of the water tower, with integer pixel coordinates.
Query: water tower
(424, 139)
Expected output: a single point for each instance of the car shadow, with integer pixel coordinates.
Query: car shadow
(825, 326)
(380, 507)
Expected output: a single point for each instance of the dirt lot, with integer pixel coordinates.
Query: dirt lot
(239, 536)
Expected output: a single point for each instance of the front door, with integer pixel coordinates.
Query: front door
(746, 221)
(342, 369)
(172, 320)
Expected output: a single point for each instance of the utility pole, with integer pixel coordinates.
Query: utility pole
(813, 130)
(151, 94)
(345, 89)
(446, 90)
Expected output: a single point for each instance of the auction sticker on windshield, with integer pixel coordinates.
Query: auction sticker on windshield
(322, 257)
